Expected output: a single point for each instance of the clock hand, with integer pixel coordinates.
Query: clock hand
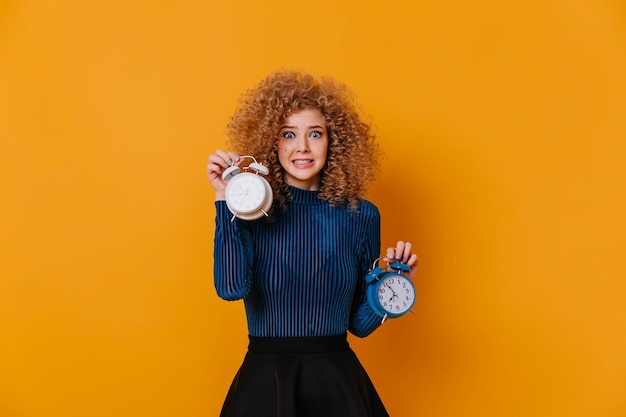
(392, 291)
(245, 192)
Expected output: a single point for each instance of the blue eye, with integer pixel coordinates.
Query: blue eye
(289, 135)
(315, 134)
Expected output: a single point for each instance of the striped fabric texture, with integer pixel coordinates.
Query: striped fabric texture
(302, 273)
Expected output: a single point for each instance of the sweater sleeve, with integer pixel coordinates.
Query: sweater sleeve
(363, 320)
(232, 255)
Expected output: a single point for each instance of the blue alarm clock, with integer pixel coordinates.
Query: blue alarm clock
(390, 293)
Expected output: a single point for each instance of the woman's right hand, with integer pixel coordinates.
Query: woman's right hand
(403, 253)
(218, 162)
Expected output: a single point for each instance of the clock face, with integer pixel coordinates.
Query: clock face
(396, 294)
(245, 193)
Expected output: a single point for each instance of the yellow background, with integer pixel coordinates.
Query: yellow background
(504, 129)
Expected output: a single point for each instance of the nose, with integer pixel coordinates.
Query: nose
(303, 144)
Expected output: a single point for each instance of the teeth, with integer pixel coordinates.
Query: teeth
(302, 162)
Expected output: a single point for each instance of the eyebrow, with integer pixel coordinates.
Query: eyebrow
(308, 127)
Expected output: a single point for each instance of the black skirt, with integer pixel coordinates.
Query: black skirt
(302, 377)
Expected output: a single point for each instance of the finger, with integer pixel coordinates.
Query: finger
(213, 169)
(413, 261)
(223, 158)
(390, 255)
(215, 164)
(398, 250)
(401, 254)
(217, 158)
(406, 253)
(229, 158)
(234, 158)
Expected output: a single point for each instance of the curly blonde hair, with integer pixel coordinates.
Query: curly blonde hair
(352, 156)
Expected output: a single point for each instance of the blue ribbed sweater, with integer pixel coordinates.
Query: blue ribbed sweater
(302, 274)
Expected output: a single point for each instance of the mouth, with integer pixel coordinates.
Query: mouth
(302, 163)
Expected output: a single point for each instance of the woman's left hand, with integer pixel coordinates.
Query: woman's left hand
(402, 253)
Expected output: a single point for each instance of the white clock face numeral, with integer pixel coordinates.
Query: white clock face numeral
(396, 294)
(246, 193)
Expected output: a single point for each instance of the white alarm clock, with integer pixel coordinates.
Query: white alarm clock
(390, 293)
(248, 195)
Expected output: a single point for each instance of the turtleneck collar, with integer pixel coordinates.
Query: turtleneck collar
(302, 196)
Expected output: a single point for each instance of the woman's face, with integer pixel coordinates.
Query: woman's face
(302, 148)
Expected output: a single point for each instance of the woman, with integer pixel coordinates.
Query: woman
(300, 271)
